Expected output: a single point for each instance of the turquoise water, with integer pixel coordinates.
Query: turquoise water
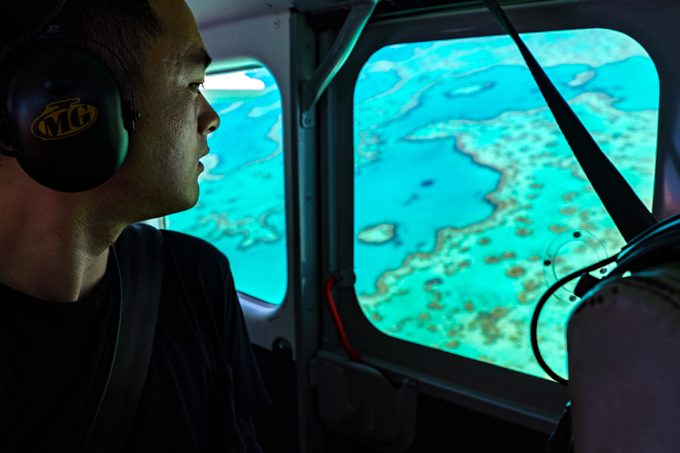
(464, 186)
(457, 185)
(459, 161)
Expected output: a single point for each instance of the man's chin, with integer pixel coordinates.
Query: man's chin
(168, 206)
(184, 204)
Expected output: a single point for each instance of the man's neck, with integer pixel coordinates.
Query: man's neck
(51, 252)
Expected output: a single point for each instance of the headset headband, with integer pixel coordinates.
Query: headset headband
(36, 32)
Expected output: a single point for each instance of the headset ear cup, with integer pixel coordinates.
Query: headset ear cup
(67, 119)
(5, 134)
(130, 116)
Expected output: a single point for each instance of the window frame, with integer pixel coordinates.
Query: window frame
(265, 41)
(520, 398)
(255, 304)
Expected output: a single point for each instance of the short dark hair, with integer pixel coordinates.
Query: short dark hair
(126, 27)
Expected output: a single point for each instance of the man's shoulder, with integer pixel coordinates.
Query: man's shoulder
(192, 248)
(186, 241)
(186, 248)
(189, 259)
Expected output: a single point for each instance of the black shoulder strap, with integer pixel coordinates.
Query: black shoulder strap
(140, 253)
(624, 207)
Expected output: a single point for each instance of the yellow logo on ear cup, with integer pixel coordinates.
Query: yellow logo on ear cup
(63, 119)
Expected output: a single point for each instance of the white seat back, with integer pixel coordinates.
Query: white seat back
(624, 366)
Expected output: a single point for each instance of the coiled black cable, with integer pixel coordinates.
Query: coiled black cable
(539, 306)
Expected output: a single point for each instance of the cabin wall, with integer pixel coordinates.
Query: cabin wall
(485, 403)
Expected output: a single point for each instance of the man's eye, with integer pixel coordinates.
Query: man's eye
(196, 86)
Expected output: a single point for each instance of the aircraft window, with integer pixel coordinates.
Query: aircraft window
(468, 200)
(241, 207)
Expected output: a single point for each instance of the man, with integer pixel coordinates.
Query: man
(57, 276)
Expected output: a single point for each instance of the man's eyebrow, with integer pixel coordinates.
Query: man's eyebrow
(198, 58)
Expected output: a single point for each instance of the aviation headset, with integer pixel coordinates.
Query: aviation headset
(61, 109)
(62, 112)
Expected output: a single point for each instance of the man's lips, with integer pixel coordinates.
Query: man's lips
(200, 164)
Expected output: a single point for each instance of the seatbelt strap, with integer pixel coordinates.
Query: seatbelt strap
(629, 214)
(140, 253)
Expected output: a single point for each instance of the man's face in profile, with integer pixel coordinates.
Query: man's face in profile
(163, 160)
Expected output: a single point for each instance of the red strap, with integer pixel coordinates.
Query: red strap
(351, 352)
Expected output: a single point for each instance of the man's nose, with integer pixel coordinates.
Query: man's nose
(208, 120)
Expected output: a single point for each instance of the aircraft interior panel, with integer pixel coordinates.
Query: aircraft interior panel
(394, 196)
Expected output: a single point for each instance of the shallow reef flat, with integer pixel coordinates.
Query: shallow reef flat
(475, 292)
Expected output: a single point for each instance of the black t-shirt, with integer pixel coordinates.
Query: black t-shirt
(202, 384)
